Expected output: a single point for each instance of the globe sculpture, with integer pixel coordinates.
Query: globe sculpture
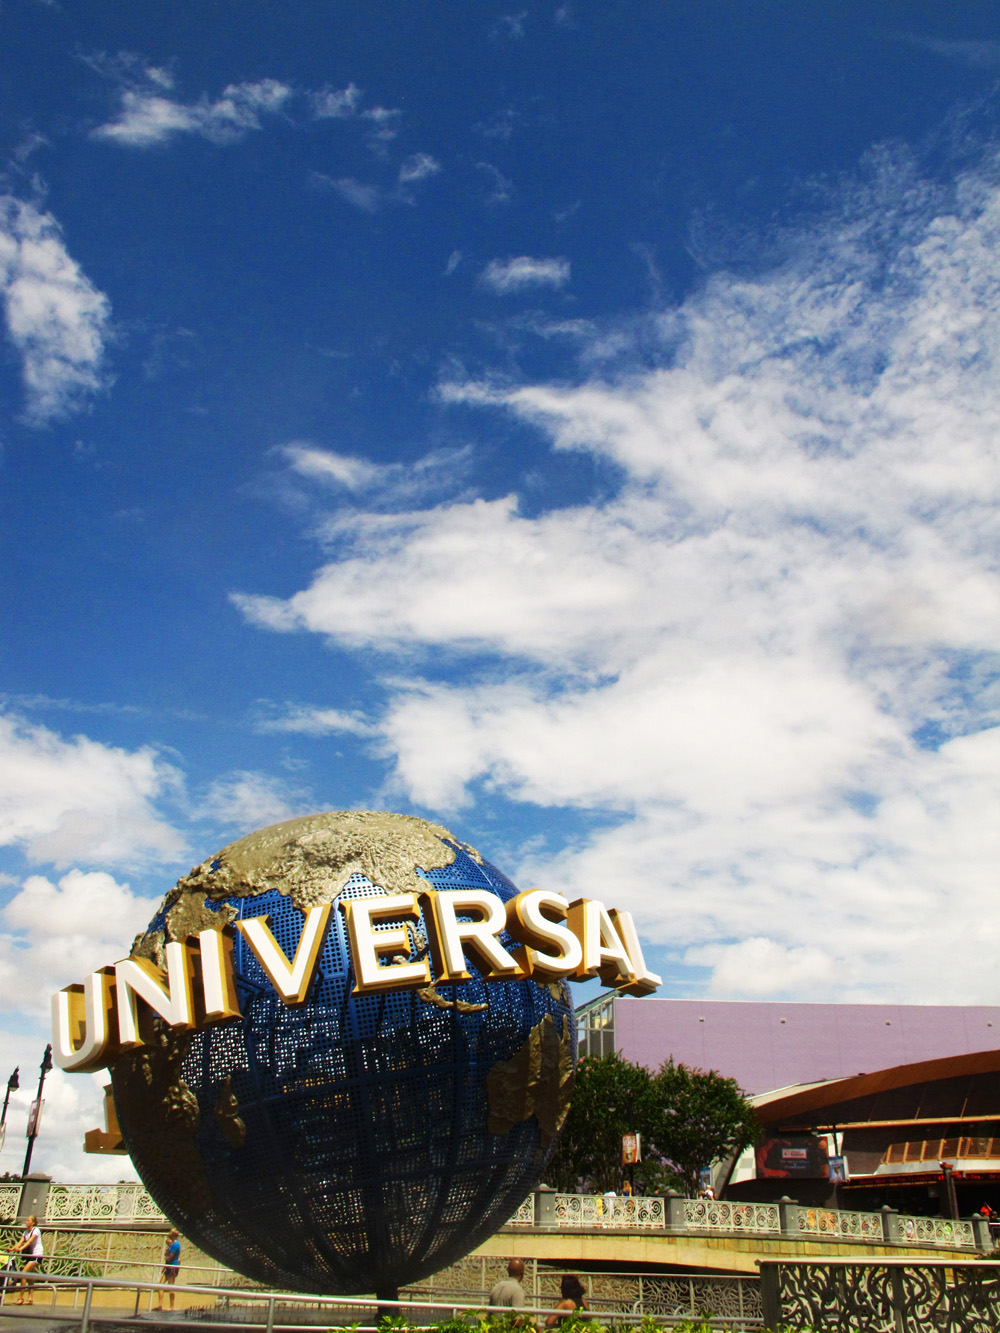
(353, 1143)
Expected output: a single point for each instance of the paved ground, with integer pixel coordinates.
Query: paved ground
(109, 1319)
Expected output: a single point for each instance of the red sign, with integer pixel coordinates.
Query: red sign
(631, 1149)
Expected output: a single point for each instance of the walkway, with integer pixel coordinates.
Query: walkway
(121, 1226)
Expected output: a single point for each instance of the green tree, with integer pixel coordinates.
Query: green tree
(698, 1117)
(611, 1097)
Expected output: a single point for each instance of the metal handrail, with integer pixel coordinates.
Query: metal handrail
(272, 1299)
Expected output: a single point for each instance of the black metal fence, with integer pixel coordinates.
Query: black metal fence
(881, 1295)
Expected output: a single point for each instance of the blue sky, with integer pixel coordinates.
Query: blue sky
(576, 424)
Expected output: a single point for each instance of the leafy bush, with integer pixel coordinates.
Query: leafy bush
(581, 1321)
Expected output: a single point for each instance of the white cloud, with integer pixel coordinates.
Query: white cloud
(62, 931)
(354, 474)
(387, 485)
(345, 104)
(737, 657)
(68, 800)
(55, 317)
(504, 276)
(336, 104)
(149, 113)
(760, 967)
(367, 198)
(146, 116)
(417, 168)
(306, 721)
(248, 800)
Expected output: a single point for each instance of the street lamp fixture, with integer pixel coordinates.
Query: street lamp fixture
(13, 1083)
(12, 1086)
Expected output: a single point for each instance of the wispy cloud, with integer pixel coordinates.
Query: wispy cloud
(369, 197)
(354, 474)
(147, 116)
(321, 474)
(246, 800)
(418, 168)
(150, 112)
(770, 659)
(336, 103)
(501, 190)
(366, 198)
(515, 275)
(501, 124)
(509, 26)
(347, 104)
(56, 319)
(303, 720)
(975, 54)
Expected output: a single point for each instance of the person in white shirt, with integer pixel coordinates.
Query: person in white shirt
(30, 1245)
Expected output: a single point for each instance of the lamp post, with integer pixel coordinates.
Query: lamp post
(631, 1120)
(12, 1086)
(45, 1066)
(629, 1113)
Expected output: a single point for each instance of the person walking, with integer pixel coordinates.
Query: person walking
(509, 1292)
(30, 1246)
(171, 1266)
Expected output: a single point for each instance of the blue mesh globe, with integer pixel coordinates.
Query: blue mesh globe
(353, 1143)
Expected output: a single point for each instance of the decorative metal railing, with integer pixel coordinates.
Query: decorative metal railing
(10, 1199)
(100, 1203)
(579, 1210)
(624, 1214)
(525, 1215)
(129, 1205)
(931, 1231)
(670, 1296)
(943, 1295)
(836, 1223)
(721, 1215)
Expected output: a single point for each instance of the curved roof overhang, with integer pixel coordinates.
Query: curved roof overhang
(806, 1099)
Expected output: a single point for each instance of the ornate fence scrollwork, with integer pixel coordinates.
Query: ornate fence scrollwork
(578, 1210)
(525, 1215)
(640, 1213)
(939, 1295)
(669, 1296)
(10, 1200)
(839, 1222)
(689, 1297)
(719, 1215)
(100, 1203)
(932, 1231)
